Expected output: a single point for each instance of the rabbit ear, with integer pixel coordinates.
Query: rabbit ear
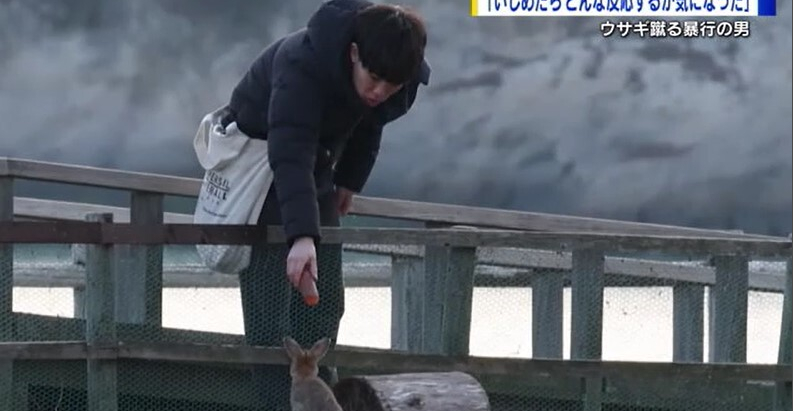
(320, 348)
(293, 349)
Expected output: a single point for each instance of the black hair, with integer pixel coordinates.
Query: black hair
(391, 41)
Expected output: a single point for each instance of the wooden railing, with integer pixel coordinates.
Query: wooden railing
(155, 186)
(446, 334)
(522, 262)
(430, 267)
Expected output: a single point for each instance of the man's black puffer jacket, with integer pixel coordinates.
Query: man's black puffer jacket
(299, 96)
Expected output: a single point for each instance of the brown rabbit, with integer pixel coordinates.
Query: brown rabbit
(309, 392)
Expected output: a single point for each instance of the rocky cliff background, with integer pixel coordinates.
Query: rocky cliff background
(545, 113)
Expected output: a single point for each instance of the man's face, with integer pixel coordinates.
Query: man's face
(371, 89)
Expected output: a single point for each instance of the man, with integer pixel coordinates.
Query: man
(320, 97)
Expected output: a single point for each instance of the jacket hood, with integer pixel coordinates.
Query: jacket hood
(330, 32)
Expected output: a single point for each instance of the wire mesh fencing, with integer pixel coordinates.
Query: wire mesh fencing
(485, 302)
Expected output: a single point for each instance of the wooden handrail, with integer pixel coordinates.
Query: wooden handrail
(38, 209)
(99, 177)
(363, 206)
(69, 232)
(395, 361)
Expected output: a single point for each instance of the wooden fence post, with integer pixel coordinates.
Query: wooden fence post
(6, 294)
(547, 320)
(728, 305)
(448, 299)
(139, 268)
(688, 306)
(100, 325)
(407, 303)
(586, 318)
(783, 392)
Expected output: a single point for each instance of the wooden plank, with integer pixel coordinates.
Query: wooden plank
(687, 271)
(6, 293)
(520, 220)
(35, 208)
(356, 274)
(448, 297)
(516, 257)
(379, 275)
(209, 382)
(786, 333)
(436, 260)
(65, 275)
(688, 305)
(55, 350)
(593, 394)
(32, 327)
(728, 304)
(400, 362)
(6, 258)
(547, 323)
(538, 384)
(363, 206)
(783, 392)
(682, 394)
(100, 323)
(100, 290)
(118, 233)
(586, 318)
(102, 177)
(521, 258)
(78, 297)
(140, 268)
(144, 385)
(407, 303)
(458, 300)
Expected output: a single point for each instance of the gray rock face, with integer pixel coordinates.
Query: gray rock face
(540, 114)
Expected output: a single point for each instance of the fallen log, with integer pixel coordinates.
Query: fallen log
(442, 391)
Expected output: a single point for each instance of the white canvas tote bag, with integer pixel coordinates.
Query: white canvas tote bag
(236, 180)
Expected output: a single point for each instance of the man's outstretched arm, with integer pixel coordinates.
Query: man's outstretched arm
(294, 119)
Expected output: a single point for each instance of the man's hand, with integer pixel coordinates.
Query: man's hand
(302, 258)
(344, 200)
